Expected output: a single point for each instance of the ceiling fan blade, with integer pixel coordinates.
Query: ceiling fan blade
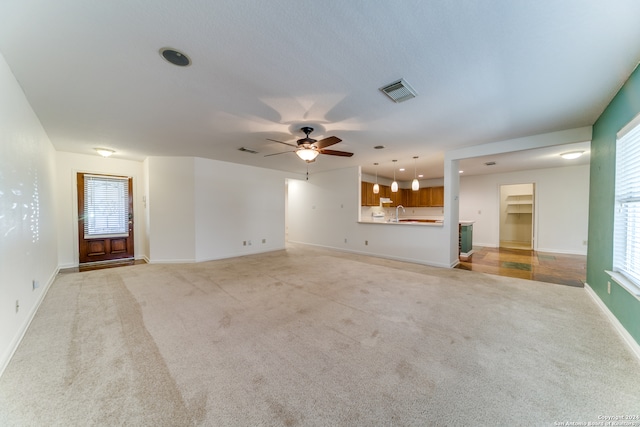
(285, 143)
(336, 153)
(284, 152)
(327, 142)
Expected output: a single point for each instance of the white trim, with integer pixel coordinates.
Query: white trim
(629, 126)
(626, 337)
(625, 283)
(13, 346)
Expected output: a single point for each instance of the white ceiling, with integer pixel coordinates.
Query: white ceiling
(484, 71)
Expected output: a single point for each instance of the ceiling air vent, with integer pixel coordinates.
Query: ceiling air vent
(247, 150)
(399, 91)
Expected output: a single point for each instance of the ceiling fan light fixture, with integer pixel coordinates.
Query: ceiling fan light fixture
(307, 154)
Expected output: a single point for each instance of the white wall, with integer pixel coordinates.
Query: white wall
(236, 204)
(561, 202)
(324, 212)
(28, 237)
(202, 209)
(68, 166)
(171, 204)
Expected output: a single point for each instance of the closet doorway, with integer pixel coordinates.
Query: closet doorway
(517, 207)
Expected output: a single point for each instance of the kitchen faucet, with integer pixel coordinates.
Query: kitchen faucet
(403, 211)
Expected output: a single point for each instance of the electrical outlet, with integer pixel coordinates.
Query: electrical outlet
(366, 242)
(244, 243)
(609, 287)
(345, 240)
(35, 284)
(264, 241)
(17, 305)
(584, 242)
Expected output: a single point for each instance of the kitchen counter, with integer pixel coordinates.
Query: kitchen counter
(405, 221)
(412, 221)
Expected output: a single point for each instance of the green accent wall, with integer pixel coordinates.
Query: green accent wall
(622, 109)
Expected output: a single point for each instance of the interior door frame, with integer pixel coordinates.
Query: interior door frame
(534, 212)
(111, 249)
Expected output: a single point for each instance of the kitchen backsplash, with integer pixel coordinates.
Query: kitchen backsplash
(367, 213)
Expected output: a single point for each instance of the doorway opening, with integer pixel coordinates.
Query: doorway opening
(517, 207)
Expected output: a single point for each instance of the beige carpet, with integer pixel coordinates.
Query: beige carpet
(313, 337)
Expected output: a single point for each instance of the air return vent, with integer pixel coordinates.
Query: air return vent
(399, 91)
(247, 150)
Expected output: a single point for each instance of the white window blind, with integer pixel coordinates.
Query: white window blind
(106, 206)
(626, 238)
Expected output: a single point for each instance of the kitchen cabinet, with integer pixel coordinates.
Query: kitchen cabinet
(437, 196)
(425, 197)
(465, 236)
(367, 198)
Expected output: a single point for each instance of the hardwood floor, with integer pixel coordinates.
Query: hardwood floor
(556, 268)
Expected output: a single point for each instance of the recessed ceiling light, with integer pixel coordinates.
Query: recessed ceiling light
(104, 152)
(460, 171)
(401, 169)
(175, 57)
(571, 155)
(379, 147)
(420, 176)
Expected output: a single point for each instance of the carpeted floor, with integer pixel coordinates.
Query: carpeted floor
(314, 337)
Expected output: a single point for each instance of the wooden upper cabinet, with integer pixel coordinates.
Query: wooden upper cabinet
(367, 198)
(437, 196)
(425, 197)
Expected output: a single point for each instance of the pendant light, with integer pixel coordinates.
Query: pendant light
(376, 187)
(394, 184)
(415, 185)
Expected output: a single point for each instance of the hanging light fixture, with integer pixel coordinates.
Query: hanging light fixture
(307, 154)
(415, 185)
(376, 187)
(394, 184)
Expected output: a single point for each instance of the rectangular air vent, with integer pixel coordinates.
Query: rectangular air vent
(399, 91)
(247, 150)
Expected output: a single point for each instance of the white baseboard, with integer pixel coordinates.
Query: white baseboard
(627, 338)
(6, 357)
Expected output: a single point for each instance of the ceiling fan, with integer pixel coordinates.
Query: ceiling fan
(309, 148)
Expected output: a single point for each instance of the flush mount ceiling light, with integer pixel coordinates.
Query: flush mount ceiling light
(307, 154)
(104, 152)
(571, 155)
(394, 184)
(376, 187)
(399, 91)
(175, 57)
(415, 185)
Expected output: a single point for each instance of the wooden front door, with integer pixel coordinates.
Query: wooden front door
(105, 218)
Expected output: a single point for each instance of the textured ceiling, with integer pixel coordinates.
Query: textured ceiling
(484, 71)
